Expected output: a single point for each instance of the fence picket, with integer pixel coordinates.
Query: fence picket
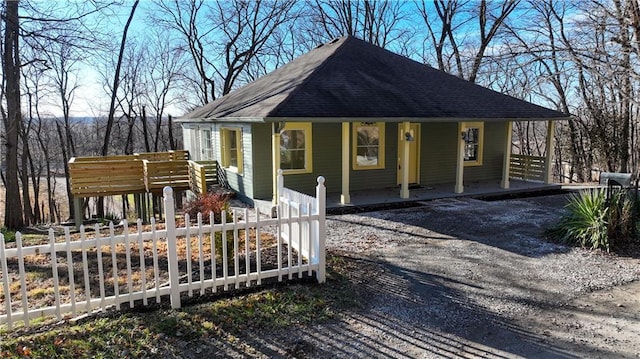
(289, 235)
(299, 225)
(54, 272)
(236, 263)
(200, 253)
(258, 249)
(70, 274)
(247, 255)
(225, 260)
(127, 251)
(187, 239)
(5, 283)
(23, 282)
(100, 267)
(85, 270)
(279, 241)
(156, 267)
(214, 287)
(143, 267)
(114, 262)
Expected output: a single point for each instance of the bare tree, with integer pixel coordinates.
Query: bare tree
(13, 118)
(382, 23)
(452, 22)
(223, 38)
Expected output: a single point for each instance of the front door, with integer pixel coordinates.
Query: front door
(414, 152)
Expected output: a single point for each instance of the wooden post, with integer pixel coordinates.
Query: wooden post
(172, 251)
(406, 149)
(551, 130)
(506, 163)
(459, 188)
(77, 211)
(345, 197)
(321, 203)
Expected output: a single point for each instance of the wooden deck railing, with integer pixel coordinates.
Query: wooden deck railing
(528, 168)
(202, 174)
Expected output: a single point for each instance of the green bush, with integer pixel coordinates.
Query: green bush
(9, 236)
(593, 222)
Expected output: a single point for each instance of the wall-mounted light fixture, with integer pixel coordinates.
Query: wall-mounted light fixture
(408, 136)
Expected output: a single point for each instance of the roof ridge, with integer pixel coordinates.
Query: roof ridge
(314, 72)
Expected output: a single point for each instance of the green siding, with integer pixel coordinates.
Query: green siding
(261, 156)
(326, 158)
(493, 154)
(379, 178)
(438, 153)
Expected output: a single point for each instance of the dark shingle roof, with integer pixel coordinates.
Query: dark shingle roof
(350, 78)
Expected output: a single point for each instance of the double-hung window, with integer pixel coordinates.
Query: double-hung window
(295, 148)
(472, 135)
(368, 145)
(232, 149)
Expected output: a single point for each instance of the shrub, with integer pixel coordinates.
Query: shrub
(217, 203)
(9, 236)
(596, 223)
(211, 202)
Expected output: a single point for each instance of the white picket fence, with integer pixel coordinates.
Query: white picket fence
(102, 271)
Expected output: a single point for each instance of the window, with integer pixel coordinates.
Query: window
(206, 148)
(368, 143)
(295, 148)
(232, 149)
(472, 135)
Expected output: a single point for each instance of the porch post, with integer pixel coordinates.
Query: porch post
(506, 164)
(404, 188)
(275, 155)
(345, 197)
(459, 188)
(551, 130)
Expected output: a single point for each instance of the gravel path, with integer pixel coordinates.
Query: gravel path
(469, 278)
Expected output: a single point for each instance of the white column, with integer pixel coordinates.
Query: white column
(345, 197)
(275, 155)
(459, 188)
(506, 164)
(551, 130)
(404, 187)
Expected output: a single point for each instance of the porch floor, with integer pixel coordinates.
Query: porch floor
(391, 196)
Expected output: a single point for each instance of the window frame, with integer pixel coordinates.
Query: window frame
(306, 127)
(381, 145)
(480, 143)
(225, 133)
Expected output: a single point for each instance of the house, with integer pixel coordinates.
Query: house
(364, 118)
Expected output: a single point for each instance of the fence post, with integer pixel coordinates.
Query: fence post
(280, 186)
(172, 251)
(321, 202)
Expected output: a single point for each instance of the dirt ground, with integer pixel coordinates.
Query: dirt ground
(469, 278)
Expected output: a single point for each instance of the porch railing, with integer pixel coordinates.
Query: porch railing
(528, 168)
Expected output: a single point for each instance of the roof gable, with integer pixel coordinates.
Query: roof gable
(349, 77)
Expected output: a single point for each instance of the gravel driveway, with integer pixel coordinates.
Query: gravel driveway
(470, 278)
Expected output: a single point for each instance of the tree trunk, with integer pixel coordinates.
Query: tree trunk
(13, 208)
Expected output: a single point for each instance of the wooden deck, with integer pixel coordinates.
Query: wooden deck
(139, 173)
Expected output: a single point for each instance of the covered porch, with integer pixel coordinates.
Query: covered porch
(389, 196)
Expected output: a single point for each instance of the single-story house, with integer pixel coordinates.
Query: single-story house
(364, 118)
